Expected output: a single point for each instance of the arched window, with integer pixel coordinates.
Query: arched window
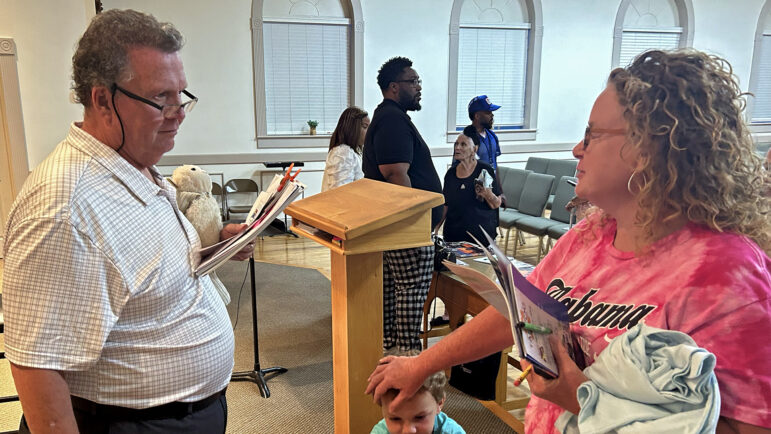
(645, 24)
(304, 67)
(495, 50)
(759, 106)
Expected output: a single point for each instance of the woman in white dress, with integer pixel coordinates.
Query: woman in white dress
(345, 147)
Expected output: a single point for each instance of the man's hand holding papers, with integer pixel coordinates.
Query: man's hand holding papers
(279, 194)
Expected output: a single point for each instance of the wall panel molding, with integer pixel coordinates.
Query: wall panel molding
(10, 104)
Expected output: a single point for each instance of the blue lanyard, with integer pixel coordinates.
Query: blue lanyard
(489, 145)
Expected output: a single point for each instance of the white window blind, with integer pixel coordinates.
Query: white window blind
(761, 108)
(306, 76)
(635, 42)
(493, 62)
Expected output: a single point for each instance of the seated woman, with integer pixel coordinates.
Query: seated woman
(345, 147)
(467, 205)
(679, 240)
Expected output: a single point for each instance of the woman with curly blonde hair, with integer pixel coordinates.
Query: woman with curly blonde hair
(695, 157)
(678, 241)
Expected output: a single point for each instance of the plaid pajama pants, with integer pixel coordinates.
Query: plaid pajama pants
(406, 280)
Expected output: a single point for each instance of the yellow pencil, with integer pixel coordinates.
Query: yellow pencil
(524, 375)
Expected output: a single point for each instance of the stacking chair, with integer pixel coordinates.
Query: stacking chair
(537, 164)
(512, 183)
(240, 195)
(501, 172)
(567, 218)
(532, 203)
(216, 192)
(558, 169)
(7, 398)
(539, 226)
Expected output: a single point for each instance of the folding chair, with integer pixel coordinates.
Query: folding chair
(240, 195)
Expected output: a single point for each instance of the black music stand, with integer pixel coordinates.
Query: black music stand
(257, 375)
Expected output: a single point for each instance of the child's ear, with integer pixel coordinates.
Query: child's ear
(440, 404)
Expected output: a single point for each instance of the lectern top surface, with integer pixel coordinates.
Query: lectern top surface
(362, 206)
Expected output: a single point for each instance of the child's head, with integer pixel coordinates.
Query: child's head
(417, 414)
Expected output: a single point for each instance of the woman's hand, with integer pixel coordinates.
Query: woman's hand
(393, 372)
(231, 230)
(479, 190)
(488, 196)
(484, 193)
(562, 390)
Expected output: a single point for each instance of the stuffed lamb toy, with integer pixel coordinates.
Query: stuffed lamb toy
(195, 201)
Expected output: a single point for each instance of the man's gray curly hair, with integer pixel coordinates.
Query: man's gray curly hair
(101, 56)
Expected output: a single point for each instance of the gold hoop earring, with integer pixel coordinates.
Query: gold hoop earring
(629, 182)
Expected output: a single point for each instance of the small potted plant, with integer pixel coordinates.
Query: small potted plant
(313, 125)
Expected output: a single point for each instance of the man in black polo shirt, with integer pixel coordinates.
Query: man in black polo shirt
(395, 152)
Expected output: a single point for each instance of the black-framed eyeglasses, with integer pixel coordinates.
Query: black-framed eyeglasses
(167, 110)
(609, 131)
(413, 81)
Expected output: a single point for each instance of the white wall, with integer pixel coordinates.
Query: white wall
(576, 59)
(734, 24)
(418, 30)
(575, 64)
(218, 64)
(44, 32)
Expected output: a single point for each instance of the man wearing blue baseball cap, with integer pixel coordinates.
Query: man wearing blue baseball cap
(480, 111)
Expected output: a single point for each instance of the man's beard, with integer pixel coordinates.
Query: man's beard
(488, 125)
(409, 102)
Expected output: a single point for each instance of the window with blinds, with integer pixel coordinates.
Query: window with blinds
(306, 75)
(634, 42)
(493, 62)
(761, 107)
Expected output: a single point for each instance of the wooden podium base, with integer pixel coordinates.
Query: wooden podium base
(357, 337)
(357, 222)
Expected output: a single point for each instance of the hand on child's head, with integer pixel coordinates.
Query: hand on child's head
(414, 415)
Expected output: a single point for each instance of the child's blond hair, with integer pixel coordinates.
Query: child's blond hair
(434, 384)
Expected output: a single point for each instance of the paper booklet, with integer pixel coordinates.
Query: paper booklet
(280, 193)
(520, 301)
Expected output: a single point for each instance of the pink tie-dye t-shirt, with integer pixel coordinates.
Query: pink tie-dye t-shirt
(715, 287)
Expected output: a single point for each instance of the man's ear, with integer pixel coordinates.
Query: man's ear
(393, 88)
(101, 102)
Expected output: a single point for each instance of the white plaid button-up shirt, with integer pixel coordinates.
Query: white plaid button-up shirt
(98, 283)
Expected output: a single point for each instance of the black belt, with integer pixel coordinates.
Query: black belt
(172, 410)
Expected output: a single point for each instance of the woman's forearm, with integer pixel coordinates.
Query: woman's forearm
(463, 345)
(493, 201)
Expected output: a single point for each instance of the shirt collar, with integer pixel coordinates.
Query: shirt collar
(394, 103)
(129, 175)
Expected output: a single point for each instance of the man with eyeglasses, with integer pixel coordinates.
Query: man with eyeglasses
(395, 152)
(106, 326)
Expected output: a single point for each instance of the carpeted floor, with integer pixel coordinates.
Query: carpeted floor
(295, 326)
(294, 319)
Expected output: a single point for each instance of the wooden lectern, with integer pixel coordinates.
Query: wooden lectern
(358, 221)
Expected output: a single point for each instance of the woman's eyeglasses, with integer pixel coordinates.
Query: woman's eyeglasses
(609, 131)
